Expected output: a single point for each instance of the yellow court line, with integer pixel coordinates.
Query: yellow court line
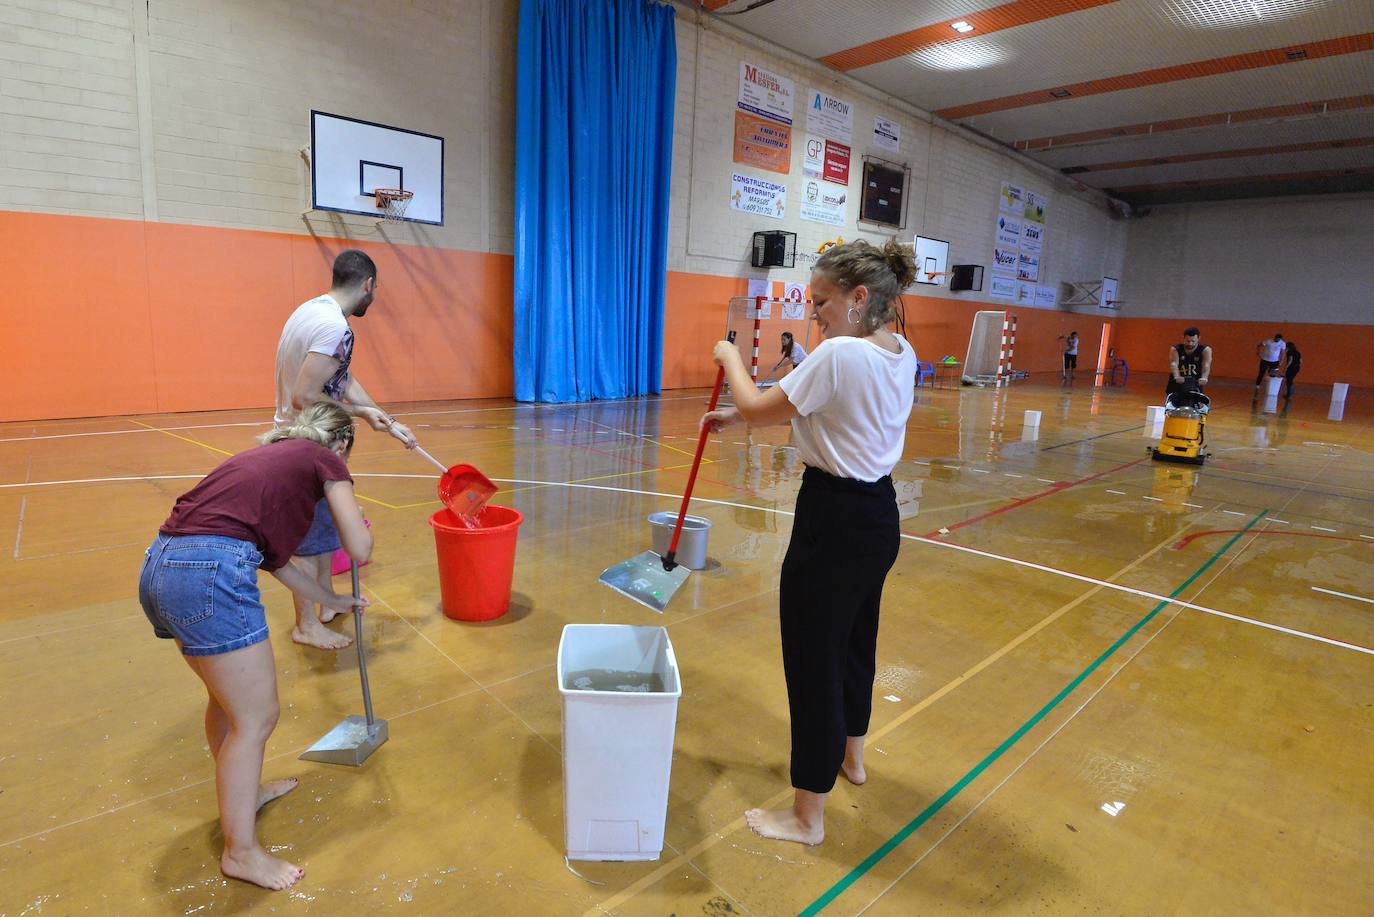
(196, 442)
(184, 439)
(607, 906)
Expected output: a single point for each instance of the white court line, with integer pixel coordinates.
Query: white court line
(1370, 537)
(1231, 512)
(1344, 595)
(546, 407)
(1280, 521)
(1194, 505)
(198, 426)
(1119, 493)
(914, 462)
(135, 477)
(19, 532)
(1155, 499)
(1045, 481)
(1029, 565)
(1322, 528)
(1010, 475)
(980, 471)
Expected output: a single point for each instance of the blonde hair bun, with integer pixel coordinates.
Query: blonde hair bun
(324, 422)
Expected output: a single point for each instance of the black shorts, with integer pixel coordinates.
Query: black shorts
(1070, 361)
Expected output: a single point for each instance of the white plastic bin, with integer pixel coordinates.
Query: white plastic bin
(1339, 390)
(1271, 386)
(617, 746)
(1032, 419)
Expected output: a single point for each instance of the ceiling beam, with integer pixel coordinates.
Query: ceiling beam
(1176, 159)
(1272, 178)
(1218, 119)
(985, 22)
(1350, 44)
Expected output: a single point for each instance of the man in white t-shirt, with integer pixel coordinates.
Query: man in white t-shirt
(1270, 354)
(314, 358)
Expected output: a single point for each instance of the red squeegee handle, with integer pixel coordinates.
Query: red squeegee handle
(669, 559)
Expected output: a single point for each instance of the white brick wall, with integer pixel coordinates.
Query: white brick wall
(68, 108)
(230, 87)
(955, 180)
(1282, 259)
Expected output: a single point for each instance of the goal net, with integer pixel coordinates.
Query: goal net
(981, 365)
(774, 316)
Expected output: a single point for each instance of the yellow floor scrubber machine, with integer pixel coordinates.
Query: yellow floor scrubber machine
(1185, 420)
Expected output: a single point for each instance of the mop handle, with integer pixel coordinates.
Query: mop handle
(362, 655)
(669, 559)
(432, 460)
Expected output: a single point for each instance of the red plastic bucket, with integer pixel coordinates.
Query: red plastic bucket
(476, 565)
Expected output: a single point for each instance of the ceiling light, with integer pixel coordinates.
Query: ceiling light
(961, 55)
(961, 27)
(1299, 54)
(1060, 93)
(1231, 14)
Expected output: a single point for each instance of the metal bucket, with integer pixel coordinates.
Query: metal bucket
(691, 547)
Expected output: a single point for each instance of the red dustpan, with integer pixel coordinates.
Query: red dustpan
(462, 488)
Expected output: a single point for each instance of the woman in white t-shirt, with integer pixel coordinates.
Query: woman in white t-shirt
(792, 354)
(848, 405)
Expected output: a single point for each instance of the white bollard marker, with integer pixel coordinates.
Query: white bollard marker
(1032, 419)
(1338, 392)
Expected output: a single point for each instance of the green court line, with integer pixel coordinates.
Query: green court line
(874, 858)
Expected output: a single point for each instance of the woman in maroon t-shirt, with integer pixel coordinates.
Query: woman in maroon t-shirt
(199, 586)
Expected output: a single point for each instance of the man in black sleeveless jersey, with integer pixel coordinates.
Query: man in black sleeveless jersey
(1190, 364)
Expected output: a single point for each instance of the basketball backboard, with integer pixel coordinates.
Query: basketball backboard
(351, 158)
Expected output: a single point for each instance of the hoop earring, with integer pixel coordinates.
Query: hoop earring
(854, 315)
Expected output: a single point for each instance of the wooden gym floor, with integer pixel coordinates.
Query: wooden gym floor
(1051, 734)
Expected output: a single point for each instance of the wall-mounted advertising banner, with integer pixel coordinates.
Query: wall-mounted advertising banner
(1045, 297)
(824, 202)
(1008, 231)
(758, 196)
(1004, 260)
(836, 163)
(1037, 206)
(830, 117)
(762, 143)
(1025, 293)
(887, 135)
(813, 156)
(1012, 200)
(1032, 236)
(1003, 287)
(1028, 267)
(764, 93)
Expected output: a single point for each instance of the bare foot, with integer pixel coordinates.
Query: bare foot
(275, 789)
(319, 636)
(784, 825)
(853, 766)
(261, 868)
(328, 614)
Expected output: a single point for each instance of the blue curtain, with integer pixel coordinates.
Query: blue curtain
(593, 159)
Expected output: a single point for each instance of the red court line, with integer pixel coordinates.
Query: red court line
(1184, 542)
(1057, 488)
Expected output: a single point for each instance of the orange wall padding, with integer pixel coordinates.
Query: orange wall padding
(106, 316)
(1330, 353)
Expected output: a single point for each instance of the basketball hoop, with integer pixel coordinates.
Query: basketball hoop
(393, 203)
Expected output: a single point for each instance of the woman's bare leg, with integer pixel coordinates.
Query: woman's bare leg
(243, 685)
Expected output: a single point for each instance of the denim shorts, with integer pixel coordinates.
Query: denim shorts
(323, 537)
(202, 591)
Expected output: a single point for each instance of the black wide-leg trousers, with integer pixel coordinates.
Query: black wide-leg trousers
(845, 538)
